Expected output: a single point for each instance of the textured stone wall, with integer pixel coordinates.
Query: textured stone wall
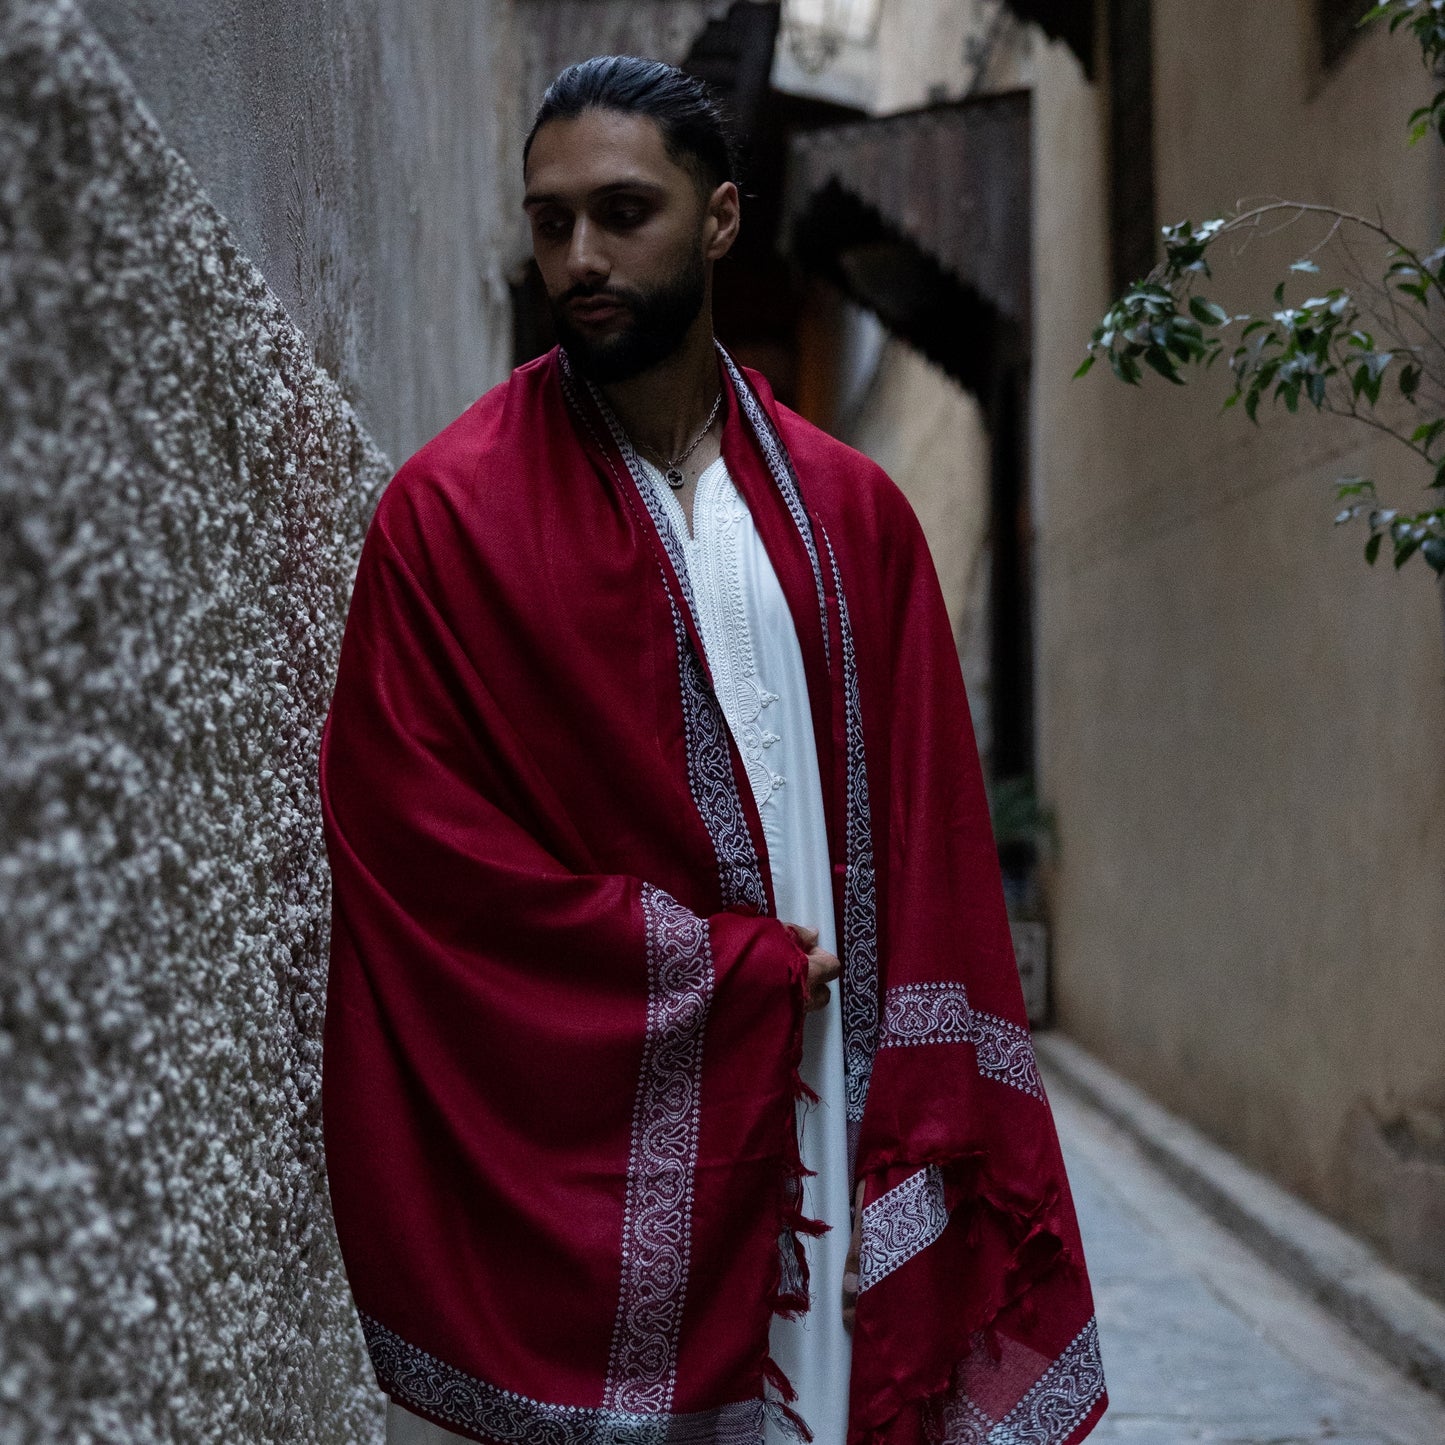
(182, 496)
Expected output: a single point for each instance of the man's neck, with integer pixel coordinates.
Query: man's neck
(663, 408)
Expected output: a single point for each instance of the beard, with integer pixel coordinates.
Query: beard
(658, 320)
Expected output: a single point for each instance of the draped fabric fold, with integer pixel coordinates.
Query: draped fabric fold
(563, 1026)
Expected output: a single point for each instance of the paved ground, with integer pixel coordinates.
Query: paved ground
(1204, 1342)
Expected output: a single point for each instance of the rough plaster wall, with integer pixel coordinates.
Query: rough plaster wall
(1242, 723)
(181, 499)
(368, 155)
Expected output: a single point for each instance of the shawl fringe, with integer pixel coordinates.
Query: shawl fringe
(1040, 1251)
(788, 1292)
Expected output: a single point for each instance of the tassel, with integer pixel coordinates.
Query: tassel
(779, 1405)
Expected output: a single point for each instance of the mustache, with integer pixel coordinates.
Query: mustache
(584, 292)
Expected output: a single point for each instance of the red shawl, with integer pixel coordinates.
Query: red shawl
(563, 1026)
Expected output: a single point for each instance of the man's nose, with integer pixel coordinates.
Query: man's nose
(586, 259)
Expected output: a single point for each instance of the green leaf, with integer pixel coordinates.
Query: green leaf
(1409, 380)
(1305, 264)
(1354, 487)
(1405, 550)
(1251, 407)
(1432, 549)
(1206, 312)
(1184, 347)
(1085, 366)
(1279, 294)
(1372, 547)
(1158, 359)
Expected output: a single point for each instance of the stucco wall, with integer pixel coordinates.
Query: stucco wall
(182, 496)
(368, 156)
(1242, 726)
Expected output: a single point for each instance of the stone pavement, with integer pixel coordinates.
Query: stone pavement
(1204, 1342)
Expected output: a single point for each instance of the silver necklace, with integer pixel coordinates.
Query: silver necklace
(672, 470)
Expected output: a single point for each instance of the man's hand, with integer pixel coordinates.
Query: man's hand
(823, 968)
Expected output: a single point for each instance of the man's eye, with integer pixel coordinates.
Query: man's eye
(551, 227)
(624, 216)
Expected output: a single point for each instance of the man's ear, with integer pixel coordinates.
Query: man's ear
(724, 218)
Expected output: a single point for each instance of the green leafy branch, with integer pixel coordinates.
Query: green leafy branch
(1426, 18)
(1369, 351)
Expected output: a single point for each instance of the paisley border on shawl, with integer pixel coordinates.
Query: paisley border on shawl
(901, 1223)
(940, 1013)
(786, 479)
(860, 892)
(1056, 1405)
(657, 1217)
(429, 1386)
(711, 782)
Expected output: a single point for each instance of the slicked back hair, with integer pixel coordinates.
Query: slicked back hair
(695, 129)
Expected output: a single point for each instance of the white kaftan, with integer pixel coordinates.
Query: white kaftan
(757, 669)
(757, 672)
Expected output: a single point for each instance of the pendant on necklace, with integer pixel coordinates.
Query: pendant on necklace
(674, 478)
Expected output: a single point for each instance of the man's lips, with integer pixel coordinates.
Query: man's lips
(595, 308)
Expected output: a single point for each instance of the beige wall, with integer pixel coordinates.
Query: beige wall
(1242, 727)
(928, 435)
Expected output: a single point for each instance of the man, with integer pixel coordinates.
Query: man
(647, 695)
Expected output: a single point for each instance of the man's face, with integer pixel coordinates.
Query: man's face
(623, 235)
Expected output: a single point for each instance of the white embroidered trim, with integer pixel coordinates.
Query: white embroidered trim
(714, 564)
(939, 1013)
(1052, 1410)
(901, 1223)
(422, 1383)
(657, 1221)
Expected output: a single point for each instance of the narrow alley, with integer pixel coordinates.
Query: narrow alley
(1202, 1340)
